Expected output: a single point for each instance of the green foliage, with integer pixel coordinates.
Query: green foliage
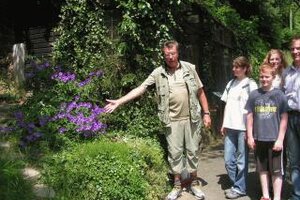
(13, 186)
(82, 34)
(144, 25)
(85, 42)
(85, 46)
(42, 121)
(137, 118)
(246, 27)
(108, 170)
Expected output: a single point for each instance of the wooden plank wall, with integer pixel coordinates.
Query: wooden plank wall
(40, 41)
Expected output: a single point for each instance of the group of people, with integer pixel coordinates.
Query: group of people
(266, 119)
(253, 117)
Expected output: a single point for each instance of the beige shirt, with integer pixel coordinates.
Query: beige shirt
(179, 98)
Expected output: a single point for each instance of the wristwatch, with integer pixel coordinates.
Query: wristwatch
(206, 113)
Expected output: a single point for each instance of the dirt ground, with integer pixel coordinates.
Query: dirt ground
(215, 180)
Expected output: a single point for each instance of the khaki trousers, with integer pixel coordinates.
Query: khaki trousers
(183, 145)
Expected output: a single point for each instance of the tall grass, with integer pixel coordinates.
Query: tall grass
(13, 186)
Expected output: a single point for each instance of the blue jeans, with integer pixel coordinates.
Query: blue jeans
(293, 147)
(236, 159)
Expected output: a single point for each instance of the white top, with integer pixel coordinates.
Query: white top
(236, 95)
(276, 83)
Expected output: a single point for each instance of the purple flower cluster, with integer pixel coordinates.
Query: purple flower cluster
(89, 78)
(82, 114)
(6, 129)
(86, 81)
(35, 68)
(68, 76)
(32, 129)
(63, 76)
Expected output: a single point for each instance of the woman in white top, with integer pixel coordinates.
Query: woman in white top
(234, 126)
(275, 57)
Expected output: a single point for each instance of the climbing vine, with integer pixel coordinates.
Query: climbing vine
(125, 50)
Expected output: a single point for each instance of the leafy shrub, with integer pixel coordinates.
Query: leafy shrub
(137, 118)
(62, 108)
(103, 169)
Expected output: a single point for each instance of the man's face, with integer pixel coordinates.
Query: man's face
(171, 56)
(295, 51)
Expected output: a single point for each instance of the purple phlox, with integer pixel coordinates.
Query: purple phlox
(46, 64)
(34, 67)
(31, 127)
(76, 98)
(61, 130)
(33, 137)
(86, 81)
(43, 120)
(42, 66)
(84, 115)
(97, 110)
(20, 119)
(6, 129)
(93, 126)
(71, 106)
(84, 104)
(97, 73)
(19, 115)
(58, 68)
(58, 116)
(63, 76)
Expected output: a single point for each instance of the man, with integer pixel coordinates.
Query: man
(179, 89)
(291, 86)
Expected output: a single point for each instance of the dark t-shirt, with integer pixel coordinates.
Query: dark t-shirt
(267, 107)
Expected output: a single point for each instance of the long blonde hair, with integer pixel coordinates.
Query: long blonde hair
(283, 64)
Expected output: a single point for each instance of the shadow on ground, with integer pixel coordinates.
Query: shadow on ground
(253, 190)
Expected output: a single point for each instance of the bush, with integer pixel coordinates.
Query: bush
(63, 107)
(134, 169)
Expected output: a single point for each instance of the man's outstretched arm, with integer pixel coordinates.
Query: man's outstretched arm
(114, 104)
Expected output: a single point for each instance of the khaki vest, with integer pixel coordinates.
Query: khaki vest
(162, 89)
